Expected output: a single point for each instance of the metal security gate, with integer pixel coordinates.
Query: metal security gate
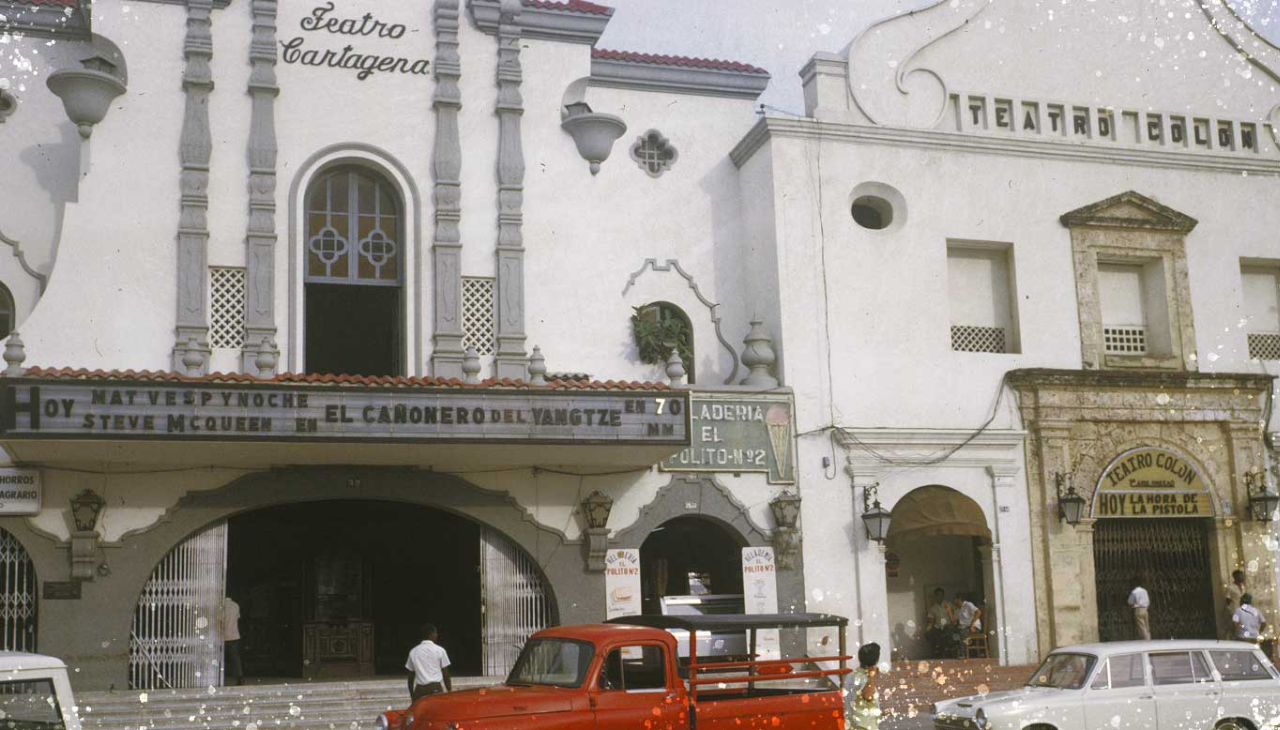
(1171, 557)
(177, 639)
(17, 596)
(514, 602)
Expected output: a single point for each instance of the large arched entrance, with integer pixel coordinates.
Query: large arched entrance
(936, 543)
(334, 590)
(690, 556)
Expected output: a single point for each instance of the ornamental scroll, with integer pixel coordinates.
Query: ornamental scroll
(1152, 482)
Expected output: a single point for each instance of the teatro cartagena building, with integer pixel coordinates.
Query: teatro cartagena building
(367, 314)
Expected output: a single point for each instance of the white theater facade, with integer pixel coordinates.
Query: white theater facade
(364, 314)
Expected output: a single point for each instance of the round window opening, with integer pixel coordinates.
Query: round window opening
(873, 212)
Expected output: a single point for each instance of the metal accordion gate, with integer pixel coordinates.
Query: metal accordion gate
(514, 601)
(18, 610)
(1172, 557)
(176, 640)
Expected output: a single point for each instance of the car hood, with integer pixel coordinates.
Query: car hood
(497, 701)
(1001, 702)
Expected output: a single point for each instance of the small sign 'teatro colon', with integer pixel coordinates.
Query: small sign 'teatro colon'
(1152, 482)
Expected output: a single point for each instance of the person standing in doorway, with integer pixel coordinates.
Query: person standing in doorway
(1140, 602)
(1248, 620)
(861, 699)
(1235, 592)
(229, 619)
(428, 666)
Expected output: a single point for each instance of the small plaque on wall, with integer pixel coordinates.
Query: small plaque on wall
(62, 590)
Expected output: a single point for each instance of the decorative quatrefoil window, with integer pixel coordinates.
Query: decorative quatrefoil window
(654, 153)
(353, 229)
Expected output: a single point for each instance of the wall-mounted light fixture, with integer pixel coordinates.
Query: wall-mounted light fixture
(1070, 504)
(786, 538)
(596, 508)
(1263, 502)
(85, 508)
(874, 517)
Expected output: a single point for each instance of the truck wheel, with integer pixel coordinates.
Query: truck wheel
(1234, 724)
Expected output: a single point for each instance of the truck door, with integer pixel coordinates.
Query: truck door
(634, 690)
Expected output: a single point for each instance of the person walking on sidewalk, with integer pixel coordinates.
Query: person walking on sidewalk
(861, 697)
(1248, 620)
(1140, 602)
(1235, 592)
(428, 666)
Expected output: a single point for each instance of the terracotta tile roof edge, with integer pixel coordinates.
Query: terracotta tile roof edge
(326, 379)
(657, 59)
(59, 3)
(576, 6)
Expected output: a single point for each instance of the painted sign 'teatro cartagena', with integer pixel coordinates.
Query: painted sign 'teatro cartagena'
(52, 409)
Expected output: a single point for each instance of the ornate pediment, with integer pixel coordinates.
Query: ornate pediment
(1129, 210)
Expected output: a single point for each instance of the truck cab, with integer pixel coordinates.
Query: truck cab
(35, 693)
(629, 674)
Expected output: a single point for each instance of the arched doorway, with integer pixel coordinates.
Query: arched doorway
(690, 556)
(18, 607)
(354, 274)
(935, 542)
(337, 589)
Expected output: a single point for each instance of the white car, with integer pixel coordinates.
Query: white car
(35, 693)
(1134, 685)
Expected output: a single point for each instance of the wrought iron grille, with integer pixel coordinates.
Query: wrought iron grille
(177, 638)
(968, 338)
(18, 609)
(478, 315)
(1126, 340)
(1264, 345)
(1171, 558)
(226, 290)
(514, 601)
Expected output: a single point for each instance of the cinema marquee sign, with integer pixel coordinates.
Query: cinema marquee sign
(119, 410)
(1152, 482)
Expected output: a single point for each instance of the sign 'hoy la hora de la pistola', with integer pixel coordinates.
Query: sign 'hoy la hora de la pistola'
(1152, 482)
(31, 408)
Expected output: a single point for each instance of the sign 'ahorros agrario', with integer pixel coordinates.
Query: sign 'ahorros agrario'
(31, 408)
(1152, 482)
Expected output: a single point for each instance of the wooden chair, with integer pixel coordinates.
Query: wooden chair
(975, 647)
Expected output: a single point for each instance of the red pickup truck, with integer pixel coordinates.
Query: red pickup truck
(628, 675)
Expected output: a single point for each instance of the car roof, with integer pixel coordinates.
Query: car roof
(598, 633)
(1109, 648)
(18, 660)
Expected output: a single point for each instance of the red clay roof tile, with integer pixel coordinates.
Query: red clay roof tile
(327, 379)
(686, 61)
(577, 6)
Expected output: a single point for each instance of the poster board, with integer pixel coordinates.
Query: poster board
(622, 583)
(760, 596)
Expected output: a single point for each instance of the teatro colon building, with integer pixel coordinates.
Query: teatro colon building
(367, 314)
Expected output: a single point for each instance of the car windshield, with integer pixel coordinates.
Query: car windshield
(1063, 671)
(30, 705)
(555, 662)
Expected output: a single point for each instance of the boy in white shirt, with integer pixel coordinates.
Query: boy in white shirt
(428, 666)
(1248, 620)
(1140, 602)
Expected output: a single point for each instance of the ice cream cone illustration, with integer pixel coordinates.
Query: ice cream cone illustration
(778, 419)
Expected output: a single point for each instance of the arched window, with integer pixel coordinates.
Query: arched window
(8, 313)
(659, 327)
(354, 273)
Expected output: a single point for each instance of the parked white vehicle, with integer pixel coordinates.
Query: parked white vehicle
(1134, 685)
(35, 693)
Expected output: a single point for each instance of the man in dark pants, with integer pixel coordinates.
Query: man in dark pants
(232, 671)
(428, 666)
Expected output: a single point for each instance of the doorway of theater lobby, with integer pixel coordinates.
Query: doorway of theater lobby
(1171, 557)
(337, 590)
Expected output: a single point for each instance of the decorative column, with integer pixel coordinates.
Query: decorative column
(191, 348)
(510, 359)
(447, 353)
(1002, 484)
(260, 243)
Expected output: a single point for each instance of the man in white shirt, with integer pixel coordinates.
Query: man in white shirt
(1248, 620)
(1234, 593)
(428, 666)
(968, 616)
(1140, 602)
(229, 620)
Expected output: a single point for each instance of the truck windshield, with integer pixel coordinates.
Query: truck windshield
(1063, 671)
(556, 662)
(30, 705)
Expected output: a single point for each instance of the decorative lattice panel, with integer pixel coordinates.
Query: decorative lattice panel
(1125, 340)
(966, 338)
(654, 153)
(226, 295)
(1264, 345)
(477, 314)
